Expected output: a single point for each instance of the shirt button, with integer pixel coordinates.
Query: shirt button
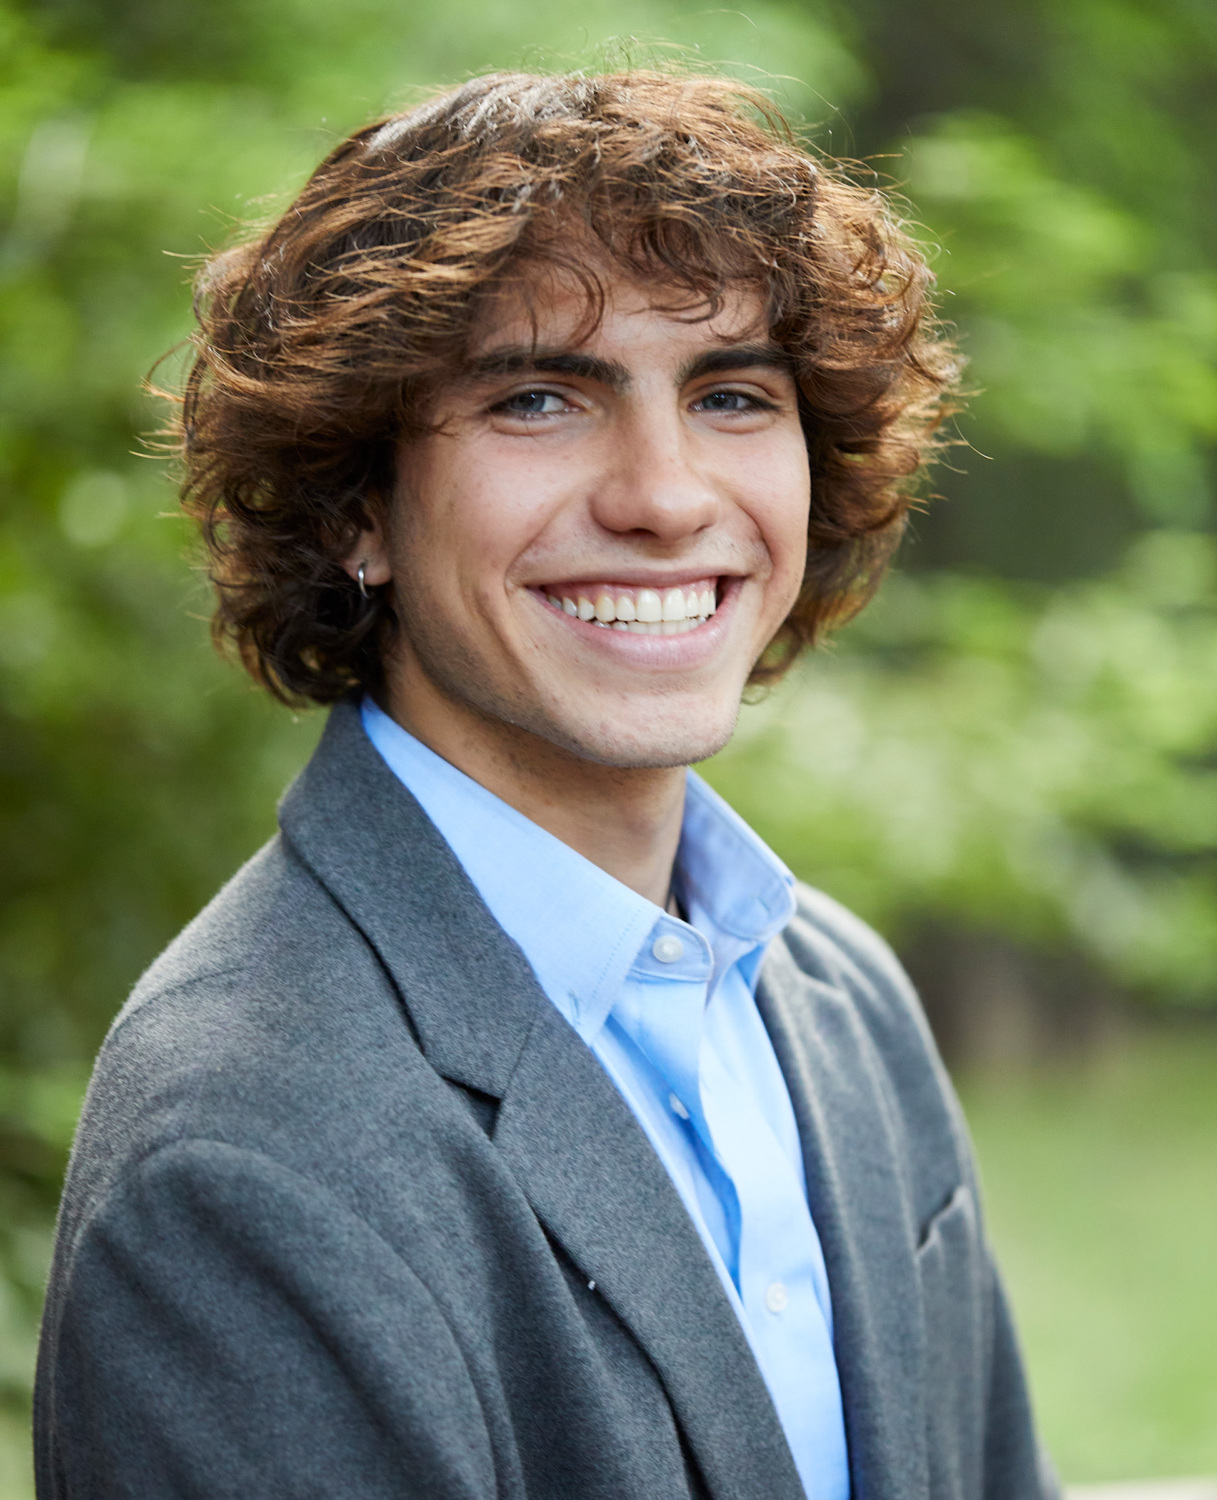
(677, 1107)
(668, 948)
(776, 1297)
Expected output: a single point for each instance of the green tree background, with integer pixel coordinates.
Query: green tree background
(1014, 753)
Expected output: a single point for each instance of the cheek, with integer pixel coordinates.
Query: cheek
(782, 512)
(439, 510)
(508, 504)
(472, 520)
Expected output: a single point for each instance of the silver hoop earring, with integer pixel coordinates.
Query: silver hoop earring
(363, 588)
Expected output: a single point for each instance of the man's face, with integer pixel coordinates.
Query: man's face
(603, 535)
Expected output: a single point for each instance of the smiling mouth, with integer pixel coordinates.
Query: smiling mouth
(641, 611)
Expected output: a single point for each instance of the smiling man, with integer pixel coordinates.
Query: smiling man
(513, 1125)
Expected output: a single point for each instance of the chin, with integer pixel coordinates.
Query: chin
(645, 747)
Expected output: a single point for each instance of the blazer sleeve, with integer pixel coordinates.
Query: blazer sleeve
(225, 1328)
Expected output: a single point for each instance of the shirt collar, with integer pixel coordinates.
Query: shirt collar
(580, 929)
(728, 873)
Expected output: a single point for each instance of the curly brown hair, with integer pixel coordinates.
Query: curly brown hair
(320, 339)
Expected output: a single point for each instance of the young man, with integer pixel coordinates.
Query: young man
(512, 1125)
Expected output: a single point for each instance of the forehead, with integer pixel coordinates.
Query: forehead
(542, 308)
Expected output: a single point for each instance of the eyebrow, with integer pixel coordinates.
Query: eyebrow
(737, 357)
(503, 363)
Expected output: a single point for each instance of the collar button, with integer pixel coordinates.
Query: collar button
(668, 948)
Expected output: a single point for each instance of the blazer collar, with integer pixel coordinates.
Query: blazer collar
(565, 1133)
(468, 989)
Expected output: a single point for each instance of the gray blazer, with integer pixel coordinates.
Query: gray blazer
(353, 1213)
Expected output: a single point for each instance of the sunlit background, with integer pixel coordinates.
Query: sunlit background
(1009, 764)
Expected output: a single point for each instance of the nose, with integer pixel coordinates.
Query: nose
(654, 480)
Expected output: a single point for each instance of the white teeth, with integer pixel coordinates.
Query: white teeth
(660, 627)
(649, 606)
(674, 604)
(671, 611)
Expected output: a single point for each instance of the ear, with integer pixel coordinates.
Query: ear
(372, 552)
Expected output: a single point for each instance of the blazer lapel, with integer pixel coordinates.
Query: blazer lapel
(468, 991)
(593, 1179)
(566, 1135)
(860, 1204)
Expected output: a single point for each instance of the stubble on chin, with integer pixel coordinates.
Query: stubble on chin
(663, 748)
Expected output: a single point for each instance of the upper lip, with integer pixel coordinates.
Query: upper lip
(632, 579)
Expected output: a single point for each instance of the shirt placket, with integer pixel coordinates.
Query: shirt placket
(664, 1018)
(775, 1260)
(781, 1278)
(663, 1013)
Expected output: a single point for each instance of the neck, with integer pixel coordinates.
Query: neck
(627, 821)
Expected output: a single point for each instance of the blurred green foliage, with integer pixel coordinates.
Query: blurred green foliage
(1026, 761)
(1021, 735)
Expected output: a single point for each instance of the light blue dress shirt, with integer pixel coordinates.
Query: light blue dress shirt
(668, 1009)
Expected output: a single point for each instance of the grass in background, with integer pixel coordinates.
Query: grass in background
(16, 1479)
(1101, 1189)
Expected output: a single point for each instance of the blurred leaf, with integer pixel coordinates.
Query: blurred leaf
(1043, 765)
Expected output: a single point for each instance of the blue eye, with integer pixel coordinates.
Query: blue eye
(532, 404)
(732, 401)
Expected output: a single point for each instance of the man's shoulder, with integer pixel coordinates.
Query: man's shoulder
(263, 1011)
(272, 942)
(269, 900)
(831, 943)
(837, 979)
(226, 991)
(273, 955)
(834, 948)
